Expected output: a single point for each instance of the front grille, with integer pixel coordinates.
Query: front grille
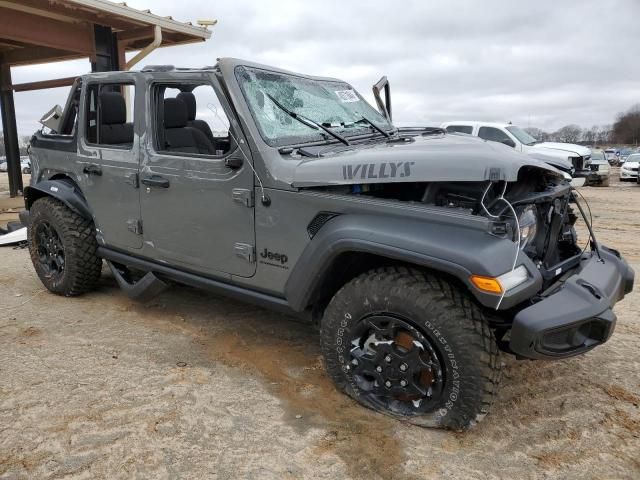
(578, 163)
(594, 168)
(634, 169)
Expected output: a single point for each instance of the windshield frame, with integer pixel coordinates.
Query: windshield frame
(517, 131)
(352, 131)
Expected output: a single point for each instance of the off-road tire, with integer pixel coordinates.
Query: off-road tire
(82, 266)
(442, 312)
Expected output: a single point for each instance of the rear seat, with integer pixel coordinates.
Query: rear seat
(114, 129)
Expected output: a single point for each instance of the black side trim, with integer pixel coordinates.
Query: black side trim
(195, 280)
(448, 248)
(318, 222)
(65, 191)
(145, 289)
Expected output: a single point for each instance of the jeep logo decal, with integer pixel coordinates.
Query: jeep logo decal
(377, 170)
(277, 257)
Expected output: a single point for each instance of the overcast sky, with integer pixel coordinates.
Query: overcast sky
(535, 63)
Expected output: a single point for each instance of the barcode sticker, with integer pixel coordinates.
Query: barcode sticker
(347, 96)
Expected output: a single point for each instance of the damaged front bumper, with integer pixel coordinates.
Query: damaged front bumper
(575, 314)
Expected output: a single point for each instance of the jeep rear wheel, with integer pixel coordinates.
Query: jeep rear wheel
(63, 246)
(412, 346)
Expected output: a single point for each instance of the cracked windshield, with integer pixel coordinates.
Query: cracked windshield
(276, 98)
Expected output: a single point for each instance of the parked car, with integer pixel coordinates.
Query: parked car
(611, 156)
(25, 165)
(624, 153)
(420, 256)
(600, 170)
(570, 158)
(629, 169)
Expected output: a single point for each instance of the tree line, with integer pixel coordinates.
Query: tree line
(625, 130)
(23, 142)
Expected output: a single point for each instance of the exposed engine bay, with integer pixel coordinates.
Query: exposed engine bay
(538, 212)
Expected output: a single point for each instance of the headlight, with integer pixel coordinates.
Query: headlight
(503, 283)
(514, 278)
(528, 220)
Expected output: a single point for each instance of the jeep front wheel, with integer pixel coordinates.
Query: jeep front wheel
(62, 246)
(412, 346)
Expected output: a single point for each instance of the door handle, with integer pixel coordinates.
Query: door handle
(92, 169)
(156, 181)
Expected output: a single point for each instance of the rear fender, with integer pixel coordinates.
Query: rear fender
(64, 190)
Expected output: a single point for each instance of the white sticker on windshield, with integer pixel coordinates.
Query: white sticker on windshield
(347, 96)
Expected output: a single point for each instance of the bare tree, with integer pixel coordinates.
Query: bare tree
(569, 133)
(537, 133)
(626, 128)
(604, 134)
(595, 131)
(23, 144)
(588, 135)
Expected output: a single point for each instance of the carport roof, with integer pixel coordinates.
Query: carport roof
(40, 31)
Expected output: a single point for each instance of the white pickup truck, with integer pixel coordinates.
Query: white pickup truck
(570, 158)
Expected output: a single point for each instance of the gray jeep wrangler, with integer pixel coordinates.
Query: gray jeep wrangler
(421, 255)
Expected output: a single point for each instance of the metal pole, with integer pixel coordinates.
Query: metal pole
(10, 131)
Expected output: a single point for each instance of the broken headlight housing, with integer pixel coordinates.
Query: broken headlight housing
(528, 220)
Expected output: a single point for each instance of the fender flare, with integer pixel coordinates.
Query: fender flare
(62, 189)
(457, 250)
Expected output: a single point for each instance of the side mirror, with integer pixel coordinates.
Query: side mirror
(509, 142)
(383, 106)
(233, 162)
(52, 119)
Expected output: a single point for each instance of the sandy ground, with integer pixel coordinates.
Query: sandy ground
(9, 207)
(195, 386)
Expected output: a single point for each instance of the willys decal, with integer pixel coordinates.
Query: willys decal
(366, 171)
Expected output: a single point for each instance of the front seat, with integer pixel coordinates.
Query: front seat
(114, 129)
(178, 137)
(189, 100)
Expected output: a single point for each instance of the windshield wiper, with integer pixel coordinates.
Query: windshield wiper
(307, 121)
(375, 127)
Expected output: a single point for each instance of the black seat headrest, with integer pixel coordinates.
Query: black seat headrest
(175, 113)
(189, 100)
(113, 109)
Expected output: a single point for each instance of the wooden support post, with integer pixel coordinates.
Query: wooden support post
(10, 131)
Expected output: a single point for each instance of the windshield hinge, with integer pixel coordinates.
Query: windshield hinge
(133, 180)
(246, 251)
(135, 226)
(244, 196)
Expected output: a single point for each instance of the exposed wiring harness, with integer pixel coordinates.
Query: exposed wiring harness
(589, 223)
(515, 216)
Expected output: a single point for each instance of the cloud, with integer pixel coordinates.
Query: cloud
(543, 63)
